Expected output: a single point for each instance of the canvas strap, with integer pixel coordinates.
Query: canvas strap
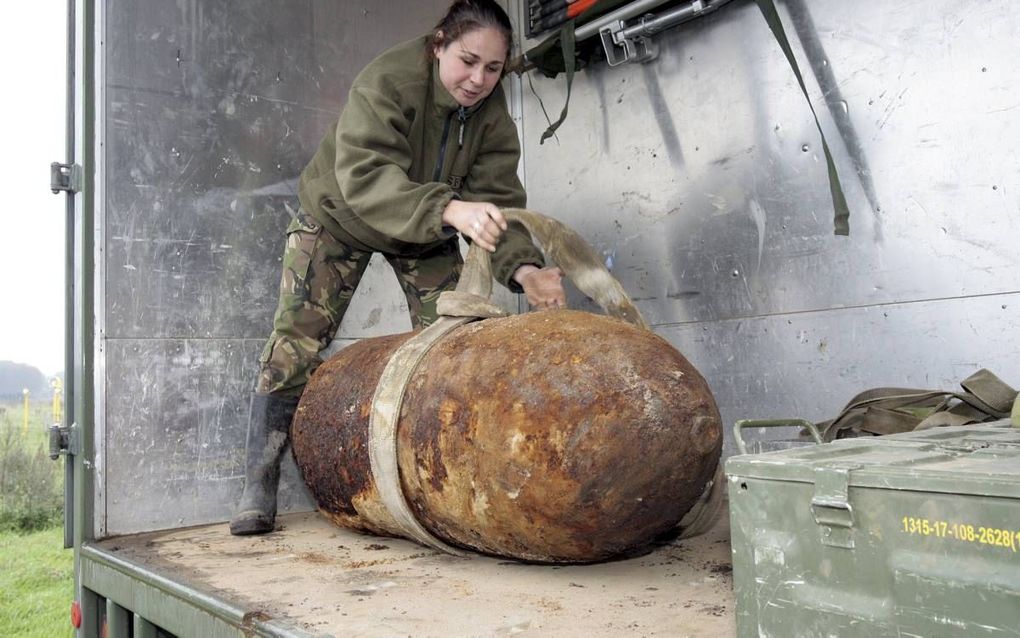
(892, 410)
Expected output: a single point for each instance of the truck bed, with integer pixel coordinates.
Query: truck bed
(325, 580)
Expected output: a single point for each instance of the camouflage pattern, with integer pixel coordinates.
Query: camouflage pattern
(320, 275)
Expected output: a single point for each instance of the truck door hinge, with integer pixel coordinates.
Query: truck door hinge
(64, 441)
(831, 507)
(65, 177)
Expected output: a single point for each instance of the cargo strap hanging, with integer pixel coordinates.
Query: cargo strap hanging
(562, 53)
(839, 205)
(879, 411)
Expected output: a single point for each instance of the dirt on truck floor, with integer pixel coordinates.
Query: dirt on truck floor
(324, 579)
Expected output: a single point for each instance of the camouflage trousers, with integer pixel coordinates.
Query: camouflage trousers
(320, 275)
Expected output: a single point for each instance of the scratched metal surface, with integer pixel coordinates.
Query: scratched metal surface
(209, 111)
(701, 179)
(173, 423)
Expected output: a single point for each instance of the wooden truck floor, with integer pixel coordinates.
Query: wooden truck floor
(327, 580)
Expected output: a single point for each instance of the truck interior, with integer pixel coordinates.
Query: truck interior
(806, 198)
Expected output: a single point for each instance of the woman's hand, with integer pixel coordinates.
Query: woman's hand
(482, 222)
(542, 286)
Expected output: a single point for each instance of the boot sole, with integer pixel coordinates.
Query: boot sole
(250, 525)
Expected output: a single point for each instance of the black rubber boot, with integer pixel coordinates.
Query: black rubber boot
(268, 429)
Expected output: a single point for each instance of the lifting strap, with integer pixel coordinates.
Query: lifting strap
(470, 302)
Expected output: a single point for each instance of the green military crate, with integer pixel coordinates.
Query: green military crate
(914, 534)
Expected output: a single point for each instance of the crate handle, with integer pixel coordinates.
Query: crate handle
(771, 423)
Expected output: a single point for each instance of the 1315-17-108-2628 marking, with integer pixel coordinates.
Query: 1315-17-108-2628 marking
(995, 536)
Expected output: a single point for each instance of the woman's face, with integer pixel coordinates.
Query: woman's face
(471, 66)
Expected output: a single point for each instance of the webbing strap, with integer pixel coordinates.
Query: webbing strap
(842, 210)
(708, 508)
(468, 303)
(567, 42)
(382, 428)
(992, 390)
(893, 410)
(579, 262)
(474, 286)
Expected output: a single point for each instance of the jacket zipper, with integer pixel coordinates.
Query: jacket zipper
(461, 117)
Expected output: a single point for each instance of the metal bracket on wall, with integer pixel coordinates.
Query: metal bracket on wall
(621, 49)
(65, 177)
(632, 43)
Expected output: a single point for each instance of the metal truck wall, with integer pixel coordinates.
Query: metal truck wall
(208, 111)
(698, 175)
(701, 178)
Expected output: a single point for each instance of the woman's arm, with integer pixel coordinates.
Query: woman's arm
(373, 157)
(493, 178)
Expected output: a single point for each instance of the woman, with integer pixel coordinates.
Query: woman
(423, 150)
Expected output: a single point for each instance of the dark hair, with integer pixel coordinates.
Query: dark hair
(465, 16)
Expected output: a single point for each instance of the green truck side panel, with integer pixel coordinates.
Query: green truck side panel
(118, 620)
(143, 628)
(80, 355)
(907, 535)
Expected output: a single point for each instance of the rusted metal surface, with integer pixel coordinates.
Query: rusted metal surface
(557, 436)
(329, 434)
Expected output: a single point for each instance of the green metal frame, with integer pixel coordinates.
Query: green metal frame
(69, 287)
(79, 350)
(136, 596)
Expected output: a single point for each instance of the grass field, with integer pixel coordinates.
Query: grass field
(36, 585)
(36, 573)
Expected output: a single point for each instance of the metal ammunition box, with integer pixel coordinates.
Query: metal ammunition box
(914, 534)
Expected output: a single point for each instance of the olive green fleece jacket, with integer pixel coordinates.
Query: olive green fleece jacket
(401, 150)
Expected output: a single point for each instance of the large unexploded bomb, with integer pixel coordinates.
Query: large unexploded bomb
(556, 436)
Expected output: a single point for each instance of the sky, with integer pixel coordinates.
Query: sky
(33, 47)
